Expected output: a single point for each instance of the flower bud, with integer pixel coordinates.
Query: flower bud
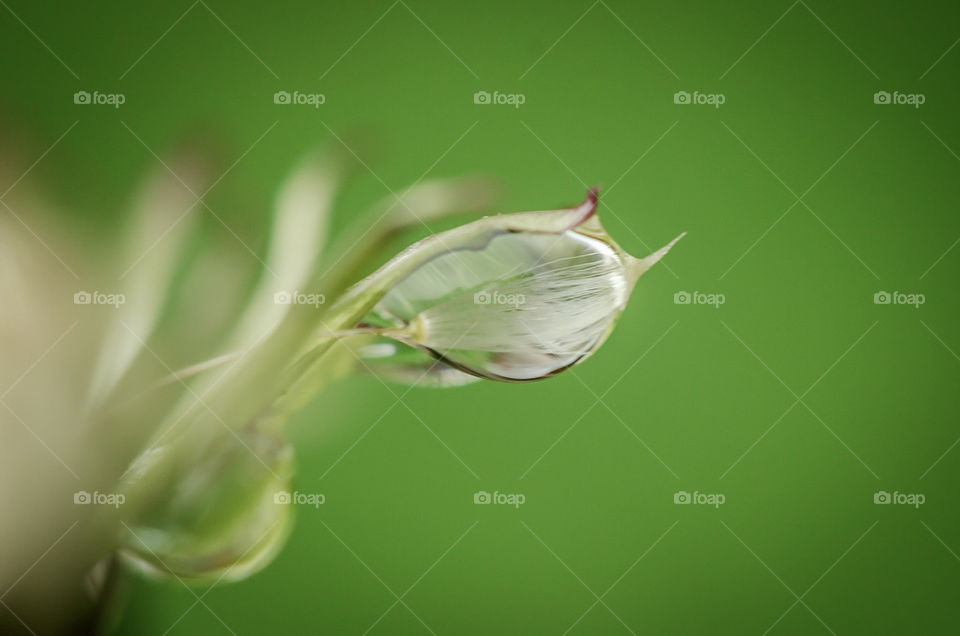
(515, 298)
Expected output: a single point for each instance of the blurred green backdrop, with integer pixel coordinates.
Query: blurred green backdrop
(797, 399)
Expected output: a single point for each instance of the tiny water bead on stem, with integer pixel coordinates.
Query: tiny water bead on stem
(514, 298)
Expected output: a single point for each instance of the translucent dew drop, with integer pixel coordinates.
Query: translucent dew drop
(516, 306)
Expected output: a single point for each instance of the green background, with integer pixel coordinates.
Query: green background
(681, 398)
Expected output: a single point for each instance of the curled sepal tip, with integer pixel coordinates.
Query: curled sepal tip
(639, 266)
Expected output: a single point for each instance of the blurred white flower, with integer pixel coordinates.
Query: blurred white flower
(197, 455)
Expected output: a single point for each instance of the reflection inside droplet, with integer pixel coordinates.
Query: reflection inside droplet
(512, 306)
